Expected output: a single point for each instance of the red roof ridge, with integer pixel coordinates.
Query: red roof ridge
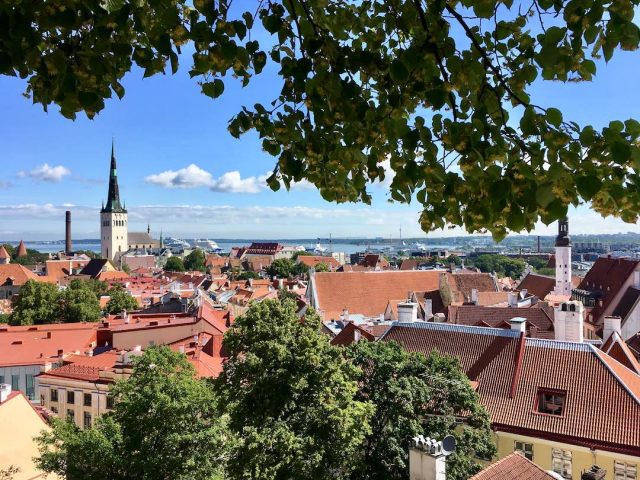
(518, 367)
(618, 370)
(513, 469)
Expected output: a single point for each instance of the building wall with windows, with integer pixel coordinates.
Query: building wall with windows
(566, 459)
(23, 378)
(82, 402)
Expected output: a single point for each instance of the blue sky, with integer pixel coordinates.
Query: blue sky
(166, 132)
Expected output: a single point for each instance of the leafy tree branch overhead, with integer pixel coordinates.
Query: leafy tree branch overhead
(439, 88)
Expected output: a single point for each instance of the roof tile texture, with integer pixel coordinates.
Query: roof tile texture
(513, 467)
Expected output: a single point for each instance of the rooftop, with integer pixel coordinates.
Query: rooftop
(513, 467)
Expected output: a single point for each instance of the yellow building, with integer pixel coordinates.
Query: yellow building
(20, 424)
(567, 406)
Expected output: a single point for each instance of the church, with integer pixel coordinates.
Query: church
(115, 238)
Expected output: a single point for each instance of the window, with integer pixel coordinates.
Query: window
(30, 390)
(525, 449)
(71, 416)
(71, 397)
(15, 382)
(54, 395)
(87, 420)
(87, 399)
(54, 410)
(624, 471)
(551, 402)
(1, 379)
(110, 402)
(41, 399)
(561, 462)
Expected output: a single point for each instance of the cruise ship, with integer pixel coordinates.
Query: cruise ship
(206, 245)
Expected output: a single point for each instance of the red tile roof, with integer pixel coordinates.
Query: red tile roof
(603, 397)
(618, 349)
(538, 285)
(21, 250)
(606, 276)
(499, 316)
(32, 345)
(82, 367)
(374, 260)
(367, 293)
(513, 467)
(3, 252)
(15, 274)
(263, 248)
(626, 303)
(313, 260)
(464, 283)
(348, 334)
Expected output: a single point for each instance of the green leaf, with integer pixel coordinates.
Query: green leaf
(588, 186)
(213, 89)
(554, 116)
(398, 71)
(544, 194)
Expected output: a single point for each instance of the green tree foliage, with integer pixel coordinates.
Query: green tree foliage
(302, 253)
(78, 303)
(247, 275)
(502, 265)
(120, 300)
(546, 271)
(284, 294)
(4, 318)
(31, 258)
(36, 303)
(98, 287)
(195, 261)
(164, 426)
(537, 262)
(290, 398)
(455, 259)
(321, 267)
(440, 90)
(282, 268)
(174, 264)
(416, 395)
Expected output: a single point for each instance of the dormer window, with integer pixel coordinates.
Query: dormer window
(551, 402)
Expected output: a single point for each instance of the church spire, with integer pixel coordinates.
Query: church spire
(113, 198)
(563, 239)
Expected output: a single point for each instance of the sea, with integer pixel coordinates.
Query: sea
(352, 246)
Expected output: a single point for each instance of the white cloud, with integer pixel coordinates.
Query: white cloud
(195, 177)
(190, 177)
(46, 173)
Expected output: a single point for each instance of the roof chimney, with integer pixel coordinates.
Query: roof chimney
(512, 299)
(48, 334)
(518, 324)
(611, 324)
(427, 458)
(428, 309)
(407, 312)
(60, 352)
(474, 296)
(67, 236)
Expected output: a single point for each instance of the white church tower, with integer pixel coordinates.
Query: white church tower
(563, 259)
(113, 219)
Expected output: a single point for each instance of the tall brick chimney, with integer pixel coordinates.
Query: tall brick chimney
(67, 237)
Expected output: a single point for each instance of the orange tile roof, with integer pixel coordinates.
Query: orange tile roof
(538, 285)
(313, 260)
(23, 346)
(112, 275)
(464, 283)
(82, 367)
(58, 269)
(498, 316)
(21, 250)
(513, 467)
(618, 349)
(15, 274)
(602, 407)
(3, 252)
(367, 293)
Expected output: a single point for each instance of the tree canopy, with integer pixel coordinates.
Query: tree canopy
(195, 261)
(437, 90)
(174, 264)
(37, 302)
(164, 426)
(79, 303)
(285, 267)
(120, 299)
(290, 399)
(417, 395)
(500, 264)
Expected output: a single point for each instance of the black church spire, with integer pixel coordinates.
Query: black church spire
(113, 198)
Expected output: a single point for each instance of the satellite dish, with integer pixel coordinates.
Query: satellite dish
(448, 445)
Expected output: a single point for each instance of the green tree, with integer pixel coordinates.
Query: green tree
(98, 287)
(78, 303)
(174, 264)
(4, 318)
(126, 268)
(289, 395)
(455, 259)
(284, 294)
(301, 253)
(502, 265)
(321, 267)
(416, 395)
(537, 262)
(195, 261)
(546, 271)
(282, 268)
(164, 426)
(37, 302)
(438, 91)
(120, 300)
(247, 275)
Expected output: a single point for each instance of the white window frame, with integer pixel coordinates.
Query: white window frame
(561, 462)
(624, 471)
(526, 449)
